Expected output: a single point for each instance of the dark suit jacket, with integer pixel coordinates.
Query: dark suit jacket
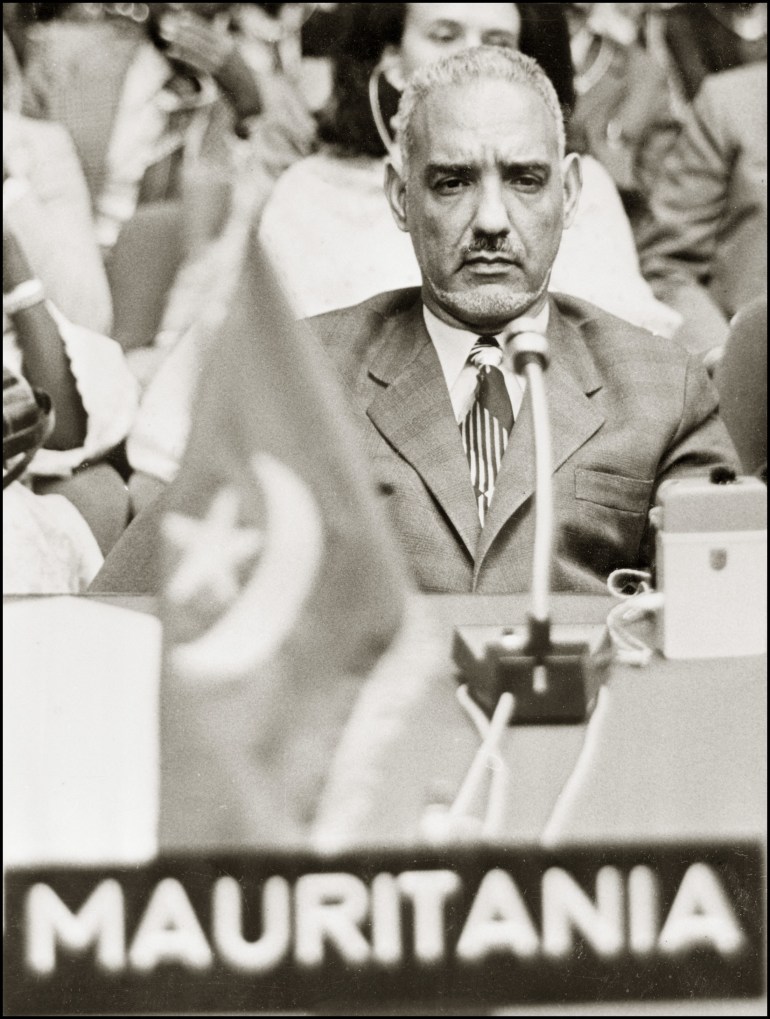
(628, 410)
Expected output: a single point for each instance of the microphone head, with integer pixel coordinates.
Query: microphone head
(529, 347)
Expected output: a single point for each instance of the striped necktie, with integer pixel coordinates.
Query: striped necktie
(487, 426)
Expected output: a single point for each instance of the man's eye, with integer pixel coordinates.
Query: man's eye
(450, 185)
(501, 39)
(443, 33)
(527, 182)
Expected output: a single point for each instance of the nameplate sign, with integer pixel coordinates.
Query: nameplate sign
(494, 926)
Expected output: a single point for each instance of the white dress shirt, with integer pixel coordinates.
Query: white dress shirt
(453, 347)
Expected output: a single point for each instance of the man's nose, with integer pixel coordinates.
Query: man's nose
(491, 214)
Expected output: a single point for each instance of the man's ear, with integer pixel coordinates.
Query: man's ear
(572, 182)
(395, 190)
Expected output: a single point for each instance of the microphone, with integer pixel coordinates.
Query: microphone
(552, 680)
(531, 357)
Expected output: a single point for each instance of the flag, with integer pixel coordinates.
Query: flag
(283, 598)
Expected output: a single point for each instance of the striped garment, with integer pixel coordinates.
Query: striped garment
(487, 426)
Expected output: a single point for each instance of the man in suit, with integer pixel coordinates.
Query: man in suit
(485, 192)
(703, 246)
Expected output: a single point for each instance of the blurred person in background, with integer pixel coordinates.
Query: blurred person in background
(263, 145)
(271, 40)
(705, 39)
(138, 94)
(135, 87)
(703, 245)
(290, 42)
(47, 545)
(623, 113)
(327, 226)
(57, 311)
(47, 207)
(94, 399)
(161, 103)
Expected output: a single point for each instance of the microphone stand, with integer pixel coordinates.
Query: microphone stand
(551, 680)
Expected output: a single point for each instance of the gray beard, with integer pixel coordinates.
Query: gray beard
(488, 304)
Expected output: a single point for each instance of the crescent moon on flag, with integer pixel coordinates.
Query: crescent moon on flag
(270, 604)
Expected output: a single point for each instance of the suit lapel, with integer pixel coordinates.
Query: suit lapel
(414, 413)
(571, 377)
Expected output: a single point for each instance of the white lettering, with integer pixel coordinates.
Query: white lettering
(498, 921)
(100, 922)
(643, 910)
(701, 915)
(566, 907)
(331, 907)
(169, 931)
(429, 890)
(227, 925)
(386, 920)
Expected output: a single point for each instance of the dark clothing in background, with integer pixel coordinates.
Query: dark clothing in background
(741, 379)
(701, 45)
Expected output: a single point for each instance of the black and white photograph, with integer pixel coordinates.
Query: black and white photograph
(385, 509)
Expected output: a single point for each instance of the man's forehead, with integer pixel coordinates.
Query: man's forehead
(489, 17)
(485, 120)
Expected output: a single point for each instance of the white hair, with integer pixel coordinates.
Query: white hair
(492, 63)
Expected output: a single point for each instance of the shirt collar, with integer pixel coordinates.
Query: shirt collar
(453, 345)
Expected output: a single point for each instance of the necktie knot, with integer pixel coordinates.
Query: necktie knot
(486, 352)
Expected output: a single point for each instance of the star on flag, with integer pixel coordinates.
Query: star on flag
(213, 548)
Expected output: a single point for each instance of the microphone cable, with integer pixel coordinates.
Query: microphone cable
(565, 800)
(457, 823)
(638, 599)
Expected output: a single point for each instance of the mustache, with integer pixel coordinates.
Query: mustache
(489, 245)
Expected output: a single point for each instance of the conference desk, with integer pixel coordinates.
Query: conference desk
(675, 753)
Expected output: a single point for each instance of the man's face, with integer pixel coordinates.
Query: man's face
(432, 31)
(486, 200)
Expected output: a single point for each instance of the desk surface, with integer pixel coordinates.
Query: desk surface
(676, 752)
